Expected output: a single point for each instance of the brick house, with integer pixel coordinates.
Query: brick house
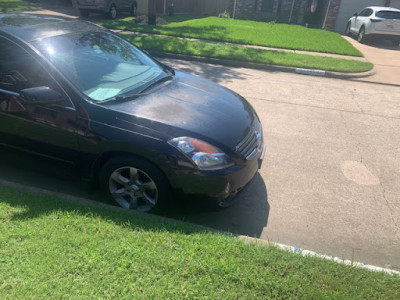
(327, 14)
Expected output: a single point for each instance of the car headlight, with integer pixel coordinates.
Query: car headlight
(204, 155)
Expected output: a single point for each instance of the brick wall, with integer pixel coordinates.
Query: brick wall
(246, 9)
(301, 12)
(284, 13)
(333, 11)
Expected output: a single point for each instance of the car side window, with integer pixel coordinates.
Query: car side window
(361, 13)
(19, 70)
(365, 12)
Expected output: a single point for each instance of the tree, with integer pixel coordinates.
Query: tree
(152, 12)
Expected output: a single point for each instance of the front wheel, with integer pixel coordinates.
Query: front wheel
(112, 13)
(361, 35)
(348, 29)
(134, 183)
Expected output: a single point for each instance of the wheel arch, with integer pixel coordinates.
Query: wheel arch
(348, 25)
(108, 155)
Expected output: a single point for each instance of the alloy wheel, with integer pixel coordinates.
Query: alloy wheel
(134, 189)
(361, 35)
(348, 32)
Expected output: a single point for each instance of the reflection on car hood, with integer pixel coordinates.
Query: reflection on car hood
(196, 105)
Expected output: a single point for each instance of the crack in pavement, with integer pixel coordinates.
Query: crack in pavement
(380, 181)
(353, 97)
(389, 205)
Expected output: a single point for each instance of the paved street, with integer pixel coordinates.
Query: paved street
(331, 178)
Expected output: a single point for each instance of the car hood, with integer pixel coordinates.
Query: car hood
(197, 106)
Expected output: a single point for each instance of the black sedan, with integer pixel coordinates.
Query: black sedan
(75, 92)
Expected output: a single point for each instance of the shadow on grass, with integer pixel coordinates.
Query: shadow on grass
(210, 32)
(36, 205)
(182, 17)
(11, 6)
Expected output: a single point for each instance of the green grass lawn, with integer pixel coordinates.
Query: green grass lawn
(240, 53)
(16, 5)
(51, 248)
(247, 32)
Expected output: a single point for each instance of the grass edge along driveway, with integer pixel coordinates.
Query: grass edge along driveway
(246, 32)
(241, 53)
(54, 248)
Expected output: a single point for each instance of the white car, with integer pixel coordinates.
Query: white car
(376, 21)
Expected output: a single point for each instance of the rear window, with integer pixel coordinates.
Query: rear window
(386, 14)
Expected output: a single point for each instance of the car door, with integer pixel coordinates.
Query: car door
(45, 129)
(361, 18)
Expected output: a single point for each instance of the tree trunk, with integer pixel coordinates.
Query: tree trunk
(152, 12)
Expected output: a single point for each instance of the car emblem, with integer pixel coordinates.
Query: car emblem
(257, 134)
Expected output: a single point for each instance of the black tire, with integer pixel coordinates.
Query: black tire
(361, 35)
(112, 13)
(84, 13)
(133, 10)
(348, 31)
(134, 183)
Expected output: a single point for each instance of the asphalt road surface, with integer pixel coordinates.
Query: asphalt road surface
(330, 181)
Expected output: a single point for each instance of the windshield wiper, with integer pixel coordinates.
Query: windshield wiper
(140, 93)
(154, 83)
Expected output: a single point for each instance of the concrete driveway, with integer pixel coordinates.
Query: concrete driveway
(331, 179)
(384, 56)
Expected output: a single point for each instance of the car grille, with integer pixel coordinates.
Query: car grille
(252, 142)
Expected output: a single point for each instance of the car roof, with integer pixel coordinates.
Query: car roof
(29, 27)
(378, 8)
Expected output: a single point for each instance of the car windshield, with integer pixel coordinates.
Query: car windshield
(386, 14)
(100, 64)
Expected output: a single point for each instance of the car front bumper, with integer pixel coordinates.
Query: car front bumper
(222, 185)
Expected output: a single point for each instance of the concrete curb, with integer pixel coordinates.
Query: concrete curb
(293, 249)
(259, 66)
(305, 252)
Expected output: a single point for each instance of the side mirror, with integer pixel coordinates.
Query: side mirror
(40, 95)
(355, 15)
